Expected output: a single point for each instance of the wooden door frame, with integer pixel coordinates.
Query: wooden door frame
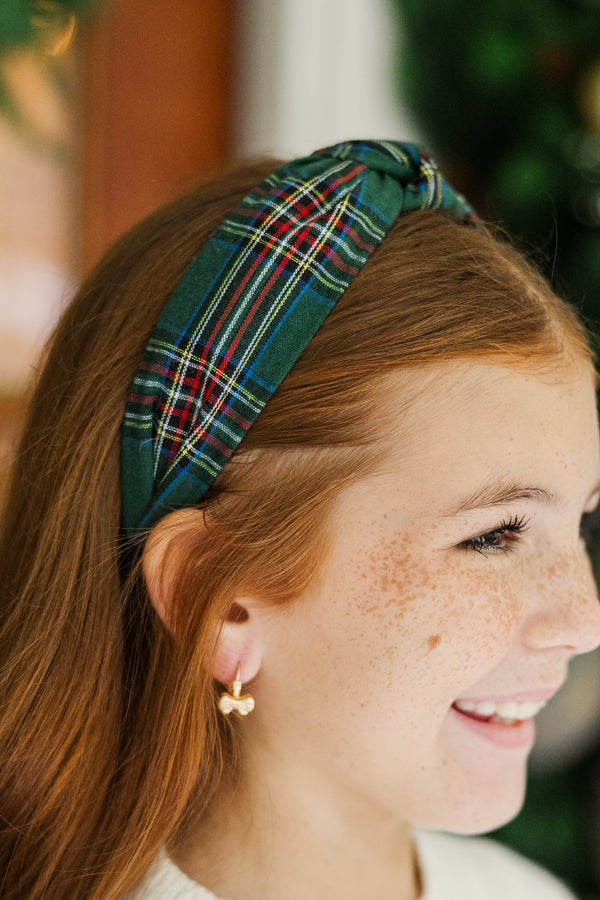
(157, 108)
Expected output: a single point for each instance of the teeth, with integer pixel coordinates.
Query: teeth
(510, 709)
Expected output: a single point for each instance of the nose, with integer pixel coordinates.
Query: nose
(566, 611)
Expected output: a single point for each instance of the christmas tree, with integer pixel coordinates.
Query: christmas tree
(508, 93)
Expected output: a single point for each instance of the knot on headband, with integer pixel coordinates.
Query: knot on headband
(248, 305)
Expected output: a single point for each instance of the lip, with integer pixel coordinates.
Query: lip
(518, 736)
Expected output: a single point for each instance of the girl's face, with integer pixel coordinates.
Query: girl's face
(458, 588)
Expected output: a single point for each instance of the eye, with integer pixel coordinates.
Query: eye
(499, 539)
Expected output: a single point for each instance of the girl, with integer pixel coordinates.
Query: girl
(292, 554)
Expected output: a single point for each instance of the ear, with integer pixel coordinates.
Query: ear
(164, 551)
(239, 636)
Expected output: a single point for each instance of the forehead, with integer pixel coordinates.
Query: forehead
(464, 422)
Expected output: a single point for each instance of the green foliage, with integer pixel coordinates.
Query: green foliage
(502, 91)
(40, 25)
(22, 21)
(551, 828)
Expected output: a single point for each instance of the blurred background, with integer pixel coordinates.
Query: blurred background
(108, 108)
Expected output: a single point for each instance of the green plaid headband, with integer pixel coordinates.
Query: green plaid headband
(248, 305)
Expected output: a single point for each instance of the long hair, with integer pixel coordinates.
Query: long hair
(110, 739)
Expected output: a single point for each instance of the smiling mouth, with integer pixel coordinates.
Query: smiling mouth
(508, 712)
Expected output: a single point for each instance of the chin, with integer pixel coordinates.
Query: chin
(480, 824)
(479, 819)
(477, 810)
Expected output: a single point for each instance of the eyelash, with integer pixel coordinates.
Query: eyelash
(517, 525)
(483, 543)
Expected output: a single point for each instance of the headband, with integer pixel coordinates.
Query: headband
(248, 305)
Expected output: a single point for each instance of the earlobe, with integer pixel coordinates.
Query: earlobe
(239, 643)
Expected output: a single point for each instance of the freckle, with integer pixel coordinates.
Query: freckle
(433, 640)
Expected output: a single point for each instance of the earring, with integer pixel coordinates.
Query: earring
(234, 699)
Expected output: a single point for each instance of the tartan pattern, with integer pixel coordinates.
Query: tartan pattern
(248, 305)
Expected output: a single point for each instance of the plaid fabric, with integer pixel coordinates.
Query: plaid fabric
(248, 305)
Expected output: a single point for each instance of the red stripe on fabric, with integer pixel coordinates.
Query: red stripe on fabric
(358, 240)
(291, 252)
(284, 227)
(209, 438)
(332, 186)
(342, 266)
(144, 399)
(155, 367)
(232, 414)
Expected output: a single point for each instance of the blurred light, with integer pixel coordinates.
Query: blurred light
(589, 96)
(56, 27)
(586, 207)
(582, 151)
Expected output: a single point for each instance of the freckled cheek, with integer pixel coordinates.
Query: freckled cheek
(416, 611)
(388, 584)
(384, 571)
(483, 617)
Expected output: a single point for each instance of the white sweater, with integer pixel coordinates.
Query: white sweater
(453, 868)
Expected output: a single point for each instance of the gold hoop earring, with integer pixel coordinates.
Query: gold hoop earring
(234, 699)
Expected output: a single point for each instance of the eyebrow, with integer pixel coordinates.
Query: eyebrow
(500, 493)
